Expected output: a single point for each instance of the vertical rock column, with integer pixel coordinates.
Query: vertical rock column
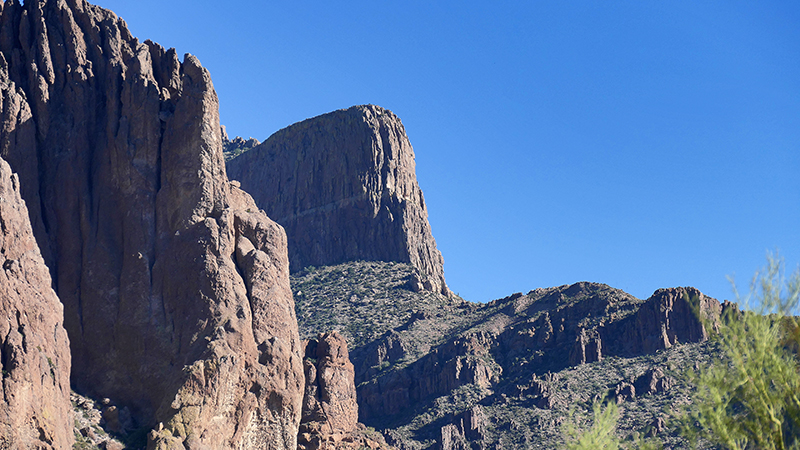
(175, 285)
(35, 411)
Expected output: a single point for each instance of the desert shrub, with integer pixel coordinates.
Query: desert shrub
(749, 397)
(600, 436)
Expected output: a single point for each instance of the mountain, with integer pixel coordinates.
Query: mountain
(135, 273)
(440, 372)
(344, 187)
(174, 284)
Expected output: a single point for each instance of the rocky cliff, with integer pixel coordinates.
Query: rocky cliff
(344, 187)
(175, 286)
(437, 372)
(34, 349)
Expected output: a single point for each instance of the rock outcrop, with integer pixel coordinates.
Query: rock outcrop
(344, 187)
(237, 146)
(330, 410)
(467, 433)
(174, 284)
(35, 410)
(464, 360)
(504, 374)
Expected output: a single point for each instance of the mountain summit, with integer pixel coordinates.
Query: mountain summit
(344, 187)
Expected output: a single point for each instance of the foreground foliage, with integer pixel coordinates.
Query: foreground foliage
(748, 398)
(600, 435)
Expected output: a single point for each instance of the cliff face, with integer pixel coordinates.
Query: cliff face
(34, 349)
(547, 330)
(344, 187)
(175, 286)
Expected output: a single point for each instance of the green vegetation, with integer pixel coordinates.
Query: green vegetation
(603, 432)
(601, 435)
(748, 397)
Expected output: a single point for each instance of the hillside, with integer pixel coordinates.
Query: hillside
(437, 372)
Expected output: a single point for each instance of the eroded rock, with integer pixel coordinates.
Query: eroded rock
(330, 410)
(175, 285)
(35, 410)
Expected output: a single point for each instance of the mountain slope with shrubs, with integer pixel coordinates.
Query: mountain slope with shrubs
(441, 372)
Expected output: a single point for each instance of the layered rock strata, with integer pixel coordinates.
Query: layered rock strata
(34, 348)
(344, 187)
(175, 285)
(547, 330)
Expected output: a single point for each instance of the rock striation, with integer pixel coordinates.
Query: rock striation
(175, 285)
(344, 187)
(34, 348)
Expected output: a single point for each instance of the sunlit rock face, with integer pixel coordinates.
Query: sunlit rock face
(34, 349)
(174, 284)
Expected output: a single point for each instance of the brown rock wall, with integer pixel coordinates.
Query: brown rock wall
(344, 187)
(35, 410)
(175, 286)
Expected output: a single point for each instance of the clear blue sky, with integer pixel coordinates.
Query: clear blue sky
(641, 144)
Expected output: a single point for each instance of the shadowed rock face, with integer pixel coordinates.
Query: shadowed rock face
(175, 286)
(344, 187)
(35, 411)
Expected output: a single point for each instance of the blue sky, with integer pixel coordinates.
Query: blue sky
(641, 144)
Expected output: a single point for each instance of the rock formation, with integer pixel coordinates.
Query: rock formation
(330, 410)
(174, 284)
(344, 187)
(34, 349)
(455, 375)
(330, 394)
(467, 433)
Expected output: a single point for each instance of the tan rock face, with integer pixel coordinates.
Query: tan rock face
(330, 394)
(344, 187)
(35, 411)
(175, 285)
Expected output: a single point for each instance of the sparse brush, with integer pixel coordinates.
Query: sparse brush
(749, 397)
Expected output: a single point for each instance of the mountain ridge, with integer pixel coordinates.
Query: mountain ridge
(174, 292)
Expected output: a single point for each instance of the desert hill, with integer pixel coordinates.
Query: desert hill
(440, 372)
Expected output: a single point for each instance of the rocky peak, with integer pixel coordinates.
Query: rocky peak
(174, 284)
(237, 146)
(344, 187)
